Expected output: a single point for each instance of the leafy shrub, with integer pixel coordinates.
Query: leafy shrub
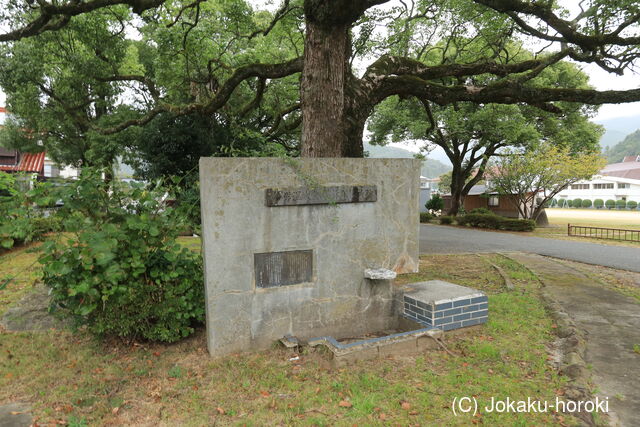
(569, 203)
(482, 220)
(621, 204)
(554, 203)
(496, 222)
(610, 204)
(22, 221)
(632, 204)
(446, 220)
(586, 203)
(598, 203)
(562, 203)
(426, 217)
(121, 271)
(577, 203)
(435, 203)
(462, 220)
(513, 224)
(484, 211)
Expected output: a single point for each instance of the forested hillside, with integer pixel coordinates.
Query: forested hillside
(629, 146)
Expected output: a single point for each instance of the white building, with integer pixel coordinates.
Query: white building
(618, 181)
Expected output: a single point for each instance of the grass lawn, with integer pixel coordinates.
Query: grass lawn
(559, 218)
(73, 378)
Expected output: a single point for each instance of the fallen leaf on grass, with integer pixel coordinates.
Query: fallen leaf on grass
(115, 410)
(265, 393)
(345, 404)
(405, 405)
(220, 410)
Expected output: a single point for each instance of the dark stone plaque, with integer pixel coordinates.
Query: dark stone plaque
(283, 268)
(321, 195)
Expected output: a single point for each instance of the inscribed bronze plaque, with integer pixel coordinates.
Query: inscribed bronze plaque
(283, 268)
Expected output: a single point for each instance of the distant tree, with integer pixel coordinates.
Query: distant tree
(562, 203)
(569, 203)
(610, 204)
(577, 203)
(632, 204)
(542, 172)
(435, 203)
(621, 204)
(598, 203)
(587, 203)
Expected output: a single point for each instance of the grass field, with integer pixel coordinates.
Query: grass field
(559, 218)
(75, 379)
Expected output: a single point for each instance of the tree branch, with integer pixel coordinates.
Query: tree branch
(262, 71)
(55, 16)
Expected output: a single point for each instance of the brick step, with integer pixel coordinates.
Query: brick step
(444, 305)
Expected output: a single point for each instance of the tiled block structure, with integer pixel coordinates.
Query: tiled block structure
(444, 305)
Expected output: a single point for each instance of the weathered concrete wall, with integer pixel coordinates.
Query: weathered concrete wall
(345, 238)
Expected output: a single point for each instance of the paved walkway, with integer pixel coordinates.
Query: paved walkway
(443, 239)
(611, 321)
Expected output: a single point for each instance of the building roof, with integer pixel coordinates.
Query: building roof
(29, 162)
(629, 168)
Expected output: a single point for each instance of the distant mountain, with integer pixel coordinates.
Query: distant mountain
(617, 128)
(629, 146)
(431, 168)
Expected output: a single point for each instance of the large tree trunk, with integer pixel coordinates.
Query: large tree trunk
(457, 195)
(322, 90)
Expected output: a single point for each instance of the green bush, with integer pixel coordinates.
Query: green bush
(435, 203)
(426, 216)
(621, 204)
(22, 221)
(569, 203)
(496, 222)
(586, 203)
(446, 220)
(513, 224)
(631, 204)
(484, 211)
(481, 220)
(598, 203)
(562, 203)
(554, 203)
(610, 204)
(121, 271)
(576, 203)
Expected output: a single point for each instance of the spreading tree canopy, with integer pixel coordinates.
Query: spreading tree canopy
(138, 59)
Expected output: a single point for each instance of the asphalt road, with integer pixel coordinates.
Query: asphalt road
(438, 239)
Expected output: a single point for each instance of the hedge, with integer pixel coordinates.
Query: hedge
(426, 217)
(586, 203)
(598, 203)
(576, 203)
(446, 220)
(610, 204)
(496, 222)
(632, 204)
(621, 204)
